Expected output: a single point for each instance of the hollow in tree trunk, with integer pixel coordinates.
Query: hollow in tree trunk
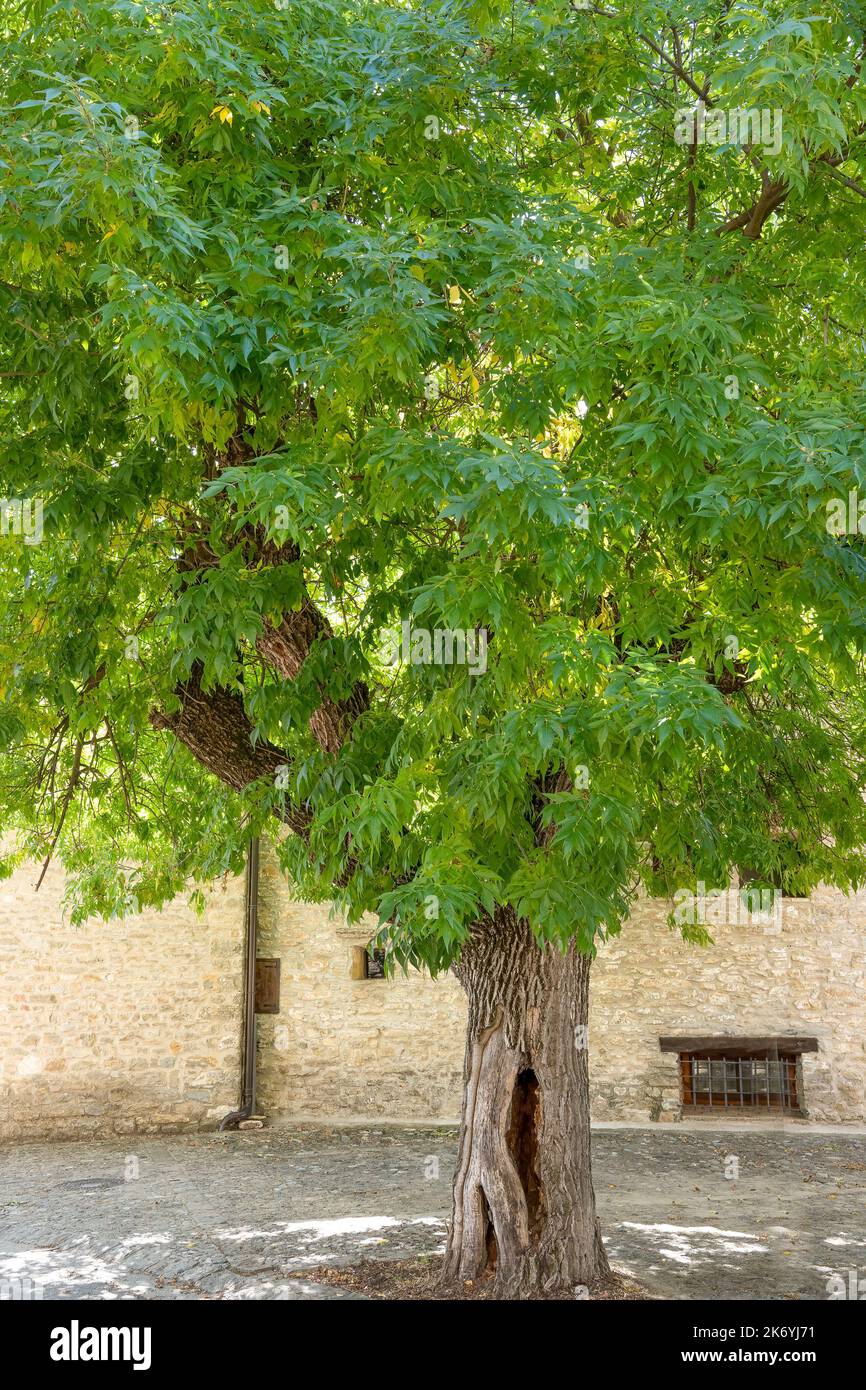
(523, 1208)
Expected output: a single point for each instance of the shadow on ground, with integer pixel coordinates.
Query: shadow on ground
(721, 1215)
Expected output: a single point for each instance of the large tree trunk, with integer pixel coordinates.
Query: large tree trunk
(523, 1208)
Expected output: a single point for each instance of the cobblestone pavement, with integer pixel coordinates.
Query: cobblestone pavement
(227, 1216)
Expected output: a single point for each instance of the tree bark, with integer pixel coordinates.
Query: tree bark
(523, 1211)
(285, 645)
(215, 728)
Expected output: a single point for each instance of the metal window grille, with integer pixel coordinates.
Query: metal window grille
(742, 1083)
(375, 963)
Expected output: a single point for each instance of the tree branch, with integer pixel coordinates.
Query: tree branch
(843, 178)
(285, 646)
(214, 726)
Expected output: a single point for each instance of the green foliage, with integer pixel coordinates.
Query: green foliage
(428, 300)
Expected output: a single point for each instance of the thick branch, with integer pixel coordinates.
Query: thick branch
(773, 194)
(285, 646)
(215, 728)
(285, 649)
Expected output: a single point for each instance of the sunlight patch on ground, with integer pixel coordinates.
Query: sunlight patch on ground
(55, 1270)
(683, 1244)
(330, 1228)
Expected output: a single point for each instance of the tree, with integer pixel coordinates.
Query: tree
(433, 417)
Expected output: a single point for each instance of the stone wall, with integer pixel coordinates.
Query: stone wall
(341, 1048)
(344, 1049)
(116, 1027)
(805, 974)
(135, 1025)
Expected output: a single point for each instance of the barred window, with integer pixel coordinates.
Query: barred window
(731, 1080)
(375, 963)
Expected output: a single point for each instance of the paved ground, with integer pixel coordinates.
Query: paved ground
(226, 1216)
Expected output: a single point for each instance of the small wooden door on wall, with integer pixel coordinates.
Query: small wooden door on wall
(267, 993)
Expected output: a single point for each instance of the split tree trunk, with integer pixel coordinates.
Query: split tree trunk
(523, 1208)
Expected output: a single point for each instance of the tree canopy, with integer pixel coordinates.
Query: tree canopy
(325, 321)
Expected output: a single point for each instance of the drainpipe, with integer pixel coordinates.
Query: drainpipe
(251, 922)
